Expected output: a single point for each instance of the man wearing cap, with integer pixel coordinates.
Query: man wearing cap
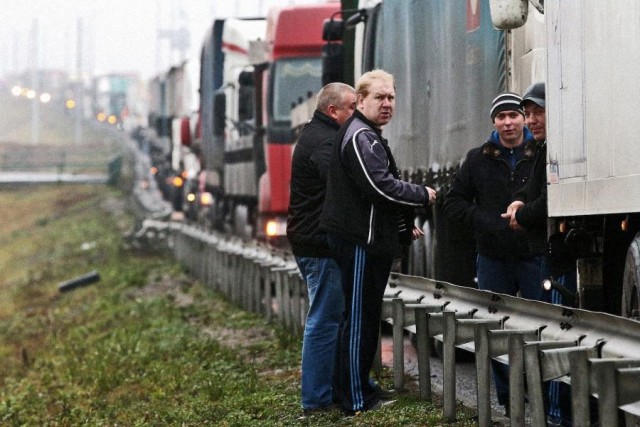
(528, 212)
(529, 209)
(484, 186)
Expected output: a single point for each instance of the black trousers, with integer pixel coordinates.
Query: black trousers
(364, 279)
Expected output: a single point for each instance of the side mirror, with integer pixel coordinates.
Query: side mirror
(332, 30)
(508, 14)
(246, 78)
(332, 63)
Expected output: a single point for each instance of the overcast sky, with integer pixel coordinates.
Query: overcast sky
(117, 35)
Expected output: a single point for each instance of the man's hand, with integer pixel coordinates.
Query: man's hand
(432, 195)
(417, 233)
(511, 215)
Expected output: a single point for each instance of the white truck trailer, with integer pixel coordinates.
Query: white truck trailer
(593, 165)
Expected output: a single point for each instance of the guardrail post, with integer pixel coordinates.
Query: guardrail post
(579, 366)
(304, 303)
(603, 372)
(280, 291)
(483, 374)
(537, 373)
(455, 332)
(398, 343)
(217, 268)
(627, 384)
(423, 341)
(285, 310)
(262, 274)
(296, 295)
(516, 378)
(449, 365)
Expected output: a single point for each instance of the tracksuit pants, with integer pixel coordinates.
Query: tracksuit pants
(364, 279)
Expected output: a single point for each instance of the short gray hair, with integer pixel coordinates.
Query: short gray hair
(332, 94)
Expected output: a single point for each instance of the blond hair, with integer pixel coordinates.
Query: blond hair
(365, 81)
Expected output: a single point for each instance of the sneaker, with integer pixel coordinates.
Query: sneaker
(306, 413)
(385, 394)
(381, 404)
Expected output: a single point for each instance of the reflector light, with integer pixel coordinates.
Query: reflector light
(177, 181)
(271, 228)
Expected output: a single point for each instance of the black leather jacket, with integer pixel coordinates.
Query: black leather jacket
(309, 170)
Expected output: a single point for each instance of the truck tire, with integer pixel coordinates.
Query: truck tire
(631, 280)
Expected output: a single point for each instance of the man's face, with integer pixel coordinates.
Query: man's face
(535, 119)
(379, 104)
(510, 126)
(341, 113)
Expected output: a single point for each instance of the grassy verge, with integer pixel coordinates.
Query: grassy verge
(145, 345)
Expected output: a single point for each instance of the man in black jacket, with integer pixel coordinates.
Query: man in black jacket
(484, 186)
(532, 217)
(529, 212)
(367, 214)
(310, 164)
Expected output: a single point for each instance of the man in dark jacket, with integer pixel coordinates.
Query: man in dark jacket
(310, 164)
(529, 212)
(481, 191)
(367, 214)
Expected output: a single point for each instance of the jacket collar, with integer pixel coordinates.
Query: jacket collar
(491, 148)
(368, 122)
(322, 117)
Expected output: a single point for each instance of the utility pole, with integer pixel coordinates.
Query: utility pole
(79, 86)
(35, 84)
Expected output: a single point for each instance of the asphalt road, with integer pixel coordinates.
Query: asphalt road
(465, 377)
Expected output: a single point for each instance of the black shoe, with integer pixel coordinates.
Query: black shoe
(385, 394)
(378, 405)
(381, 404)
(306, 413)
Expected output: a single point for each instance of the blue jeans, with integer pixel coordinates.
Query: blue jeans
(559, 409)
(510, 277)
(326, 309)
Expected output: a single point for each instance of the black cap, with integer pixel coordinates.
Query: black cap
(535, 94)
(507, 101)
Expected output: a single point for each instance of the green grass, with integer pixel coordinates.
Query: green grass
(146, 345)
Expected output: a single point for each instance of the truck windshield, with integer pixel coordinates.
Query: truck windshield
(293, 80)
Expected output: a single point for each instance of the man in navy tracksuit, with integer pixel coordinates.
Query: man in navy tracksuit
(367, 214)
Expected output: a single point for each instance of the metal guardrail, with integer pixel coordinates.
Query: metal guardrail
(539, 341)
(597, 353)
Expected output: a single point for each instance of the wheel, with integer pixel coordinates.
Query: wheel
(631, 281)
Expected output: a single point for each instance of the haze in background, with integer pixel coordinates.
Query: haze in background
(143, 36)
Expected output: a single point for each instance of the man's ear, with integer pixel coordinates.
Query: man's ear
(332, 111)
